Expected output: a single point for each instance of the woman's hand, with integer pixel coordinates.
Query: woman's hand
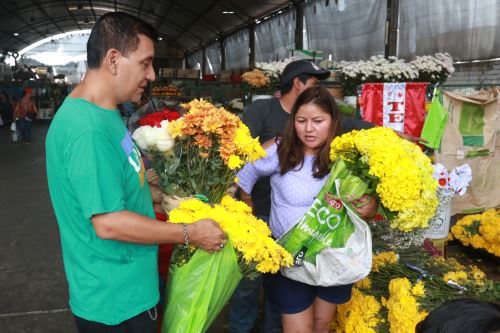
(366, 206)
(246, 198)
(152, 177)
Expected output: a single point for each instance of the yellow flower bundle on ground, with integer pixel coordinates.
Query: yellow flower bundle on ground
(404, 287)
(396, 171)
(481, 231)
(202, 283)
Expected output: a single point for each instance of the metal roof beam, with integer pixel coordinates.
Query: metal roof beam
(26, 23)
(239, 11)
(139, 9)
(92, 10)
(164, 16)
(188, 12)
(196, 19)
(71, 14)
(40, 8)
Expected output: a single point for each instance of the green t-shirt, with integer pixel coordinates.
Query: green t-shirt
(94, 167)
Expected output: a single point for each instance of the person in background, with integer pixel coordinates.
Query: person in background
(6, 108)
(99, 191)
(298, 164)
(25, 114)
(462, 316)
(266, 119)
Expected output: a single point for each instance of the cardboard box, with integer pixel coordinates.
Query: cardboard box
(225, 76)
(168, 73)
(188, 73)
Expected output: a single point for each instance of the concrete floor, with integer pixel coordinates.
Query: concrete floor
(33, 288)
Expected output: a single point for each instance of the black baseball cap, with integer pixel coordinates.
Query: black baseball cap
(297, 67)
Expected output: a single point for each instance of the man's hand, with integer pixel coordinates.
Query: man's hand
(366, 206)
(207, 235)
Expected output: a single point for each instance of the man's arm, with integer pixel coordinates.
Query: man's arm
(130, 227)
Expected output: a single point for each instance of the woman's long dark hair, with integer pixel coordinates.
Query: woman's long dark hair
(290, 148)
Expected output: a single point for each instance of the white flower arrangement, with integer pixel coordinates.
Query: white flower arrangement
(150, 138)
(274, 68)
(428, 68)
(236, 104)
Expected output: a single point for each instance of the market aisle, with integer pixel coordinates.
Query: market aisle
(33, 289)
(32, 283)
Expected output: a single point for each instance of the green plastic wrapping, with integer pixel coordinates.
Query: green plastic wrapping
(197, 291)
(326, 223)
(435, 122)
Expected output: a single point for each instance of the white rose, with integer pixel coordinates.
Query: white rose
(164, 141)
(165, 145)
(144, 137)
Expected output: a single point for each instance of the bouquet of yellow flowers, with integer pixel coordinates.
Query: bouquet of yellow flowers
(376, 162)
(481, 231)
(396, 171)
(202, 283)
(250, 236)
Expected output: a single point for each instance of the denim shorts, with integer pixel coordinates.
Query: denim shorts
(291, 296)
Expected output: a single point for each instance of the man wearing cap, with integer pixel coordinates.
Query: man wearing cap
(266, 119)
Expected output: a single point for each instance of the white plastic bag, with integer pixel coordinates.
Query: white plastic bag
(338, 266)
(14, 133)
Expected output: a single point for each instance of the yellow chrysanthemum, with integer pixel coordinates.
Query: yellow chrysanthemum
(481, 231)
(459, 277)
(359, 315)
(418, 289)
(234, 162)
(382, 259)
(250, 236)
(405, 178)
(403, 309)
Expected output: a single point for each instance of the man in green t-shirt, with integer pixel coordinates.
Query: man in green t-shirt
(99, 190)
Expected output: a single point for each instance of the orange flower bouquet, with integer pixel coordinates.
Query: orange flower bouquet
(210, 144)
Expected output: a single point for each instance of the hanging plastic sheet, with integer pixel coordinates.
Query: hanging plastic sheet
(275, 37)
(348, 30)
(426, 26)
